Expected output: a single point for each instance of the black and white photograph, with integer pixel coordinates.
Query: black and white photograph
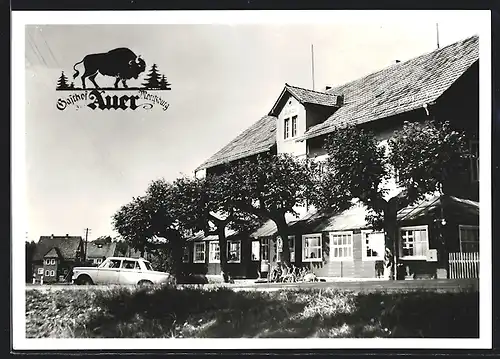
(194, 177)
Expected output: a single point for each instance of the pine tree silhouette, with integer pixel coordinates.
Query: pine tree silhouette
(62, 83)
(164, 85)
(72, 85)
(153, 79)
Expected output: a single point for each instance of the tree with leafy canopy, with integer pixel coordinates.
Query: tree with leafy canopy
(30, 248)
(426, 157)
(206, 206)
(152, 219)
(62, 83)
(154, 78)
(164, 85)
(270, 187)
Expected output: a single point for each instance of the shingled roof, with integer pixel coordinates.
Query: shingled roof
(65, 245)
(102, 250)
(258, 138)
(400, 88)
(306, 96)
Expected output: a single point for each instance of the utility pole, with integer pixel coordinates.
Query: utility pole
(86, 242)
(312, 64)
(437, 35)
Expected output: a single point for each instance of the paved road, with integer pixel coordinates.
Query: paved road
(448, 285)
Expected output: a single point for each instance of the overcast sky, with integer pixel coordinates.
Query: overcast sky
(83, 165)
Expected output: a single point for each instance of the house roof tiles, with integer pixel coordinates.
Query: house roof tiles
(67, 246)
(400, 88)
(258, 138)
(105, 250)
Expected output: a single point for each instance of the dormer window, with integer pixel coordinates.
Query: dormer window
(294, 126)
(290, 127)
(286, 133)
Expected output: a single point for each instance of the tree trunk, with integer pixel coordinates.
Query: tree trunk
(283, 231)
(391, 238)
(223, 252)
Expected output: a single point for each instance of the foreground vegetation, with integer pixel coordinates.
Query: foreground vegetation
(221, 312)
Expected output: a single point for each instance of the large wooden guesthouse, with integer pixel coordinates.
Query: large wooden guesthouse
(435, 235)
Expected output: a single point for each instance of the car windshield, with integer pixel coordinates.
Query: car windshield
(148, 265)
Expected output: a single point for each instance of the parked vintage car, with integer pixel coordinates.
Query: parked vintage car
(120, 270)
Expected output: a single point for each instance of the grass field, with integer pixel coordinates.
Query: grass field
(221, 312)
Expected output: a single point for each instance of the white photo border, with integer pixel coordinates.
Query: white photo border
(19, 220)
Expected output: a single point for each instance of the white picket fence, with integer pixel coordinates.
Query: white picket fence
(463, 265)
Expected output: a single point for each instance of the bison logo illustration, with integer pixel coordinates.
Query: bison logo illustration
(120, 63)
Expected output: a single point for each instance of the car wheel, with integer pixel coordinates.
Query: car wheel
(145, 283)
(84, 280)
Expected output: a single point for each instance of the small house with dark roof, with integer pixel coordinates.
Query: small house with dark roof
(440, 85)
(55, 256)
(98, 252)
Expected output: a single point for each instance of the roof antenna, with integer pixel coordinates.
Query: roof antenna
(312, 63)
(437, 35)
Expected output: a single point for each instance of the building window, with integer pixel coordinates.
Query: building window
(294, 126)
(47, 273)
(199, 252)
(286, 128)
(234, 251)
(312, 248)
(214, 252)
(52, 273)
(291, 246)
(415, 242)
(99, 260)
(373, 245)
(474, 165)
(469, 239)
(265, 249)
(255, 250)
(40, 271)
(341, 246)
(185, 255)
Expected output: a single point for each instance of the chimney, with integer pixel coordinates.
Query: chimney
(52, 236)
(340, 100)
(327, 87)
(396, 62)
(67, 235)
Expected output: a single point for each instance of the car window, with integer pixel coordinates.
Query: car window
(137, 266)
(128, 264)
(115, 263)
(148, 265)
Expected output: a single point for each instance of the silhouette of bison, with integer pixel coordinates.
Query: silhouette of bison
(120, 63)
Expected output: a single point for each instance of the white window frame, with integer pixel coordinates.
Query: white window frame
(312, 235)
(239, 250)
(47, 273)
(294, 126)
(474, 161)
(286, 128)
(466, 226)
(195, 245)
(279, 248)
(185, 254)
(364, 233)
(40, 271)
(409, 228)
(52, 273)
(255, 245)
(343, 246)
(211, 252)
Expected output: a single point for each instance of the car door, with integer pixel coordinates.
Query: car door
(109, 273)
(130, 272)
